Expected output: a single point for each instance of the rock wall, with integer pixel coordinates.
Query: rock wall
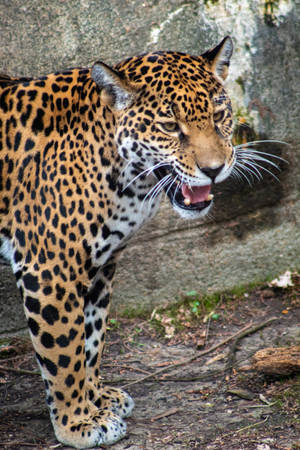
(253, 232)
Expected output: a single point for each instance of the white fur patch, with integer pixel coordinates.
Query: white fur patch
(6, 249)
(191, 214)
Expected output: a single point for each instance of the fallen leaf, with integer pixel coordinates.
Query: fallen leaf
(242, 393)
(215, 358)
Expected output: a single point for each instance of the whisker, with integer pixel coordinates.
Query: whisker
(171, 184)
(268, 171)
(248, 156)
(147, 171)
(126, 166)
(253, 152)
(241, 173)
(155, 189)
(256, 165)
(158, 189)
(235, 174)
(253, 160)
(252, 169)
(175, 192)
(159, 186)
(262, 141)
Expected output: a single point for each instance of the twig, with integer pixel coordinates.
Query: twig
(168, 413)
(246, 428)
(249, 329)
(205, 376)
(263, 406)
(17, 443)
(122, 366)
(19, 371)
(233, 348)
(206, 332)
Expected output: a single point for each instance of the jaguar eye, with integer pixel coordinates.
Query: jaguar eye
(218, 116)
(170, 127)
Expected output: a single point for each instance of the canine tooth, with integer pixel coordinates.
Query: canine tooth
(187, 201)
(210, 197)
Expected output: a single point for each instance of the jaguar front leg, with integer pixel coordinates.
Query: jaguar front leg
(54, 309)
(97, 302)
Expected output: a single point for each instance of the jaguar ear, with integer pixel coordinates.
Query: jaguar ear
(114, 89)
(219, 57)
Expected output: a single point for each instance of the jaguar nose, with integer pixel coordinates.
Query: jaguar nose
(212, 173)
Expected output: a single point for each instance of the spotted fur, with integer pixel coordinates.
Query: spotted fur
(85, 155)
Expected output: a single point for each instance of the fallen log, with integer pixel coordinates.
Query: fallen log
(277, 361)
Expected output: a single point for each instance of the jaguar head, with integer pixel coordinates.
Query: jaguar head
(174, 121)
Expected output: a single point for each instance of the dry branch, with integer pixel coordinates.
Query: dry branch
(19, 371)
(167, 413)
(249, 329)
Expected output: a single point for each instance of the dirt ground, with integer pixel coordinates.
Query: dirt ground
(212, 402)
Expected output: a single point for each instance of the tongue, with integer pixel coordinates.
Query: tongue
(195, 194)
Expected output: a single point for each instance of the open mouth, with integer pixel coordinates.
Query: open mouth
(193, 198)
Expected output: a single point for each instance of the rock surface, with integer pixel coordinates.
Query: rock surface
(253, 232)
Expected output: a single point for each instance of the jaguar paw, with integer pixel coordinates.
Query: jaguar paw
(117, 401)
(105, 428)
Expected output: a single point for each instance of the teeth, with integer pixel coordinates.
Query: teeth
(187, 201)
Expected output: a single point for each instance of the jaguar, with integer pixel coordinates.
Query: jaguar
(85, 157)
